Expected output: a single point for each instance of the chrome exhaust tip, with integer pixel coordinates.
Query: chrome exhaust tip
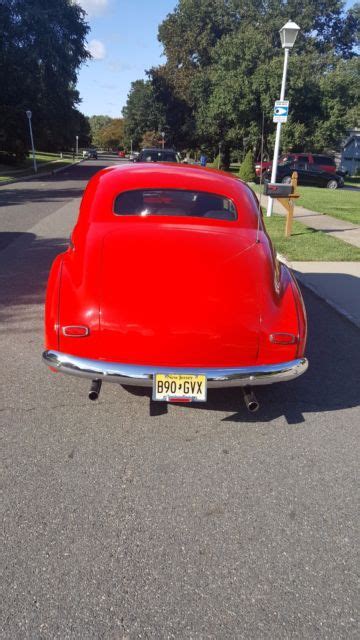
(95, 389)
(250, 400)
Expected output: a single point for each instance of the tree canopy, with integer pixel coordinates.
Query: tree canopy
(97, 124)
(223, 71)
(42, 45)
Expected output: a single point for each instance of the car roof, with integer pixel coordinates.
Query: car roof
(158, 149)
(102, 189)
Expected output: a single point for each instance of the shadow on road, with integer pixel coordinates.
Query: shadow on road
(331, 383)
(22, 192)
(24, 269)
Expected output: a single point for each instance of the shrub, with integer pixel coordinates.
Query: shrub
(247, 169)
(215, 163)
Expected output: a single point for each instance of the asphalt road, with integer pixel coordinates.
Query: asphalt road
(122, 521)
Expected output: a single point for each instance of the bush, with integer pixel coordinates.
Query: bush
(215, 163)
(247, 169)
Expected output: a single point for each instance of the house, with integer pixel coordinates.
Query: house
(350, 154)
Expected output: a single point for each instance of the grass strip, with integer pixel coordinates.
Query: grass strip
(6, 176)
(307, 244)
(339, 203)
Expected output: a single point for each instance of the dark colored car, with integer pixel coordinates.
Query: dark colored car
(309, 175)
(90, 154)
(158, 155)
(315, 160)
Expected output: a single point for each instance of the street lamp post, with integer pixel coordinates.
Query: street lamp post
(131, 147)
(77, 146)
(288, 35)
(163, 138)
(29, 114)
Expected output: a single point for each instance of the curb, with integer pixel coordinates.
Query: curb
(41, 175)
(302, 278)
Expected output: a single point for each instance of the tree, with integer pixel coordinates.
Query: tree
(97, 123)
(112, 135)
(151, 139)
(224, 66)
(42, 47)
(247, 170)
(141, 112)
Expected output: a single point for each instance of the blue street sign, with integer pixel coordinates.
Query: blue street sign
(281, 110)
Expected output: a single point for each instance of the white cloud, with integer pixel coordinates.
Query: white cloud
(94, 7)
(97, 49)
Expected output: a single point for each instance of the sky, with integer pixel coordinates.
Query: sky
(123, 43)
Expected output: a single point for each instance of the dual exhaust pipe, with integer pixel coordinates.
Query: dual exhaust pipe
(250, 399)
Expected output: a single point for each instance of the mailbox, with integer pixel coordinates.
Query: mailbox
(277, 190)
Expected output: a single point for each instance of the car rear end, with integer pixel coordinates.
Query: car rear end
(168, 282)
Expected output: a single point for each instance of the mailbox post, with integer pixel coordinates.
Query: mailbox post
(285, 194)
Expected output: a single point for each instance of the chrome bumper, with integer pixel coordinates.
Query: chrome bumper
(142, 375)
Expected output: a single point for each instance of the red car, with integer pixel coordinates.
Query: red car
(171, 282)
(121, 154)
(323, 162)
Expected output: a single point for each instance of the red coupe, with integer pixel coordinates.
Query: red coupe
(171, 282)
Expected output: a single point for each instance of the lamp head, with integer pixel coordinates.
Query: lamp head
(288, 34)
(29, 114)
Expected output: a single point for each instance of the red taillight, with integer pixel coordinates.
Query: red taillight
(283, 338)
(75, 331)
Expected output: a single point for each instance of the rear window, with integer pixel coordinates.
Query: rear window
(154, 155)
(324, 160)
(174, 202)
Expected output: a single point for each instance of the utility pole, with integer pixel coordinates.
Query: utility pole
(29, 114)
(288, 35)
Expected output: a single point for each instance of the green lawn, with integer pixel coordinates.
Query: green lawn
(45, 162)
(339, 203)
(306, 244)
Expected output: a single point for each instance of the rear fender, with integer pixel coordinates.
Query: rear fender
(280, 314)
(52, 304)
(79, 301)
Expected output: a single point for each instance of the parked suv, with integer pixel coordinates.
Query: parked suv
(158, 155)
(314, 160)
(308, 174)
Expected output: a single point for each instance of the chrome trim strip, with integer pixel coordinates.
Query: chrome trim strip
(142, 375)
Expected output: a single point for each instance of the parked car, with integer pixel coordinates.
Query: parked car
(324, 162)
(158, 155)
(90, 154)
(202, 300)
(308, 175)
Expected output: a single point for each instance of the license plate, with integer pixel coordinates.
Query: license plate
(170, 387)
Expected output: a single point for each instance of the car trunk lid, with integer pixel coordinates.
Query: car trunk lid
(181, 295)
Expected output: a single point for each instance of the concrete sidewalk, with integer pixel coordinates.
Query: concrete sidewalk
(338, 283)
